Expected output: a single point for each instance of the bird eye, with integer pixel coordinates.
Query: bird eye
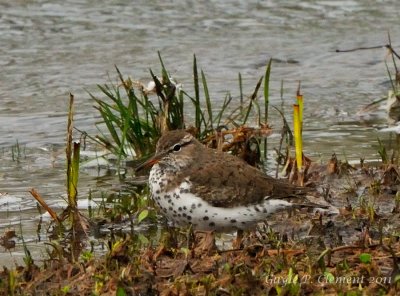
(177, 147)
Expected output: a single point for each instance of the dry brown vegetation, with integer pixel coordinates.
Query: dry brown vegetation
(353, 253)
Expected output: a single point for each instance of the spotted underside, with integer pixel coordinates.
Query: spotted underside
(182, 207)
(213, 190)
(221, 179)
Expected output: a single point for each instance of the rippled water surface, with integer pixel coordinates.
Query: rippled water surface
(51, 48)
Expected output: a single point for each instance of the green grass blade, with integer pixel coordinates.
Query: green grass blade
(73, 185)
(208, 101)
(286, 126)
(266, 101)
(68, 149)
(165, 75)
(241, 90)
(196, 101)
(110, 119)
(392, 83)
(266, 89)
(200, 110)
(258, 112)
(227, 101)
(252, 99)
(159, 86)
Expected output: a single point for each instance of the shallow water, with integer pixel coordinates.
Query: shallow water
(50, 49)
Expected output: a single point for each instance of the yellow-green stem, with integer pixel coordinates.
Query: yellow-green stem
(300, 103)
(73, 186)
(297, 136)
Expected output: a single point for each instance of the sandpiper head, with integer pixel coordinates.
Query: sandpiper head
(173, 141)
(175, 148)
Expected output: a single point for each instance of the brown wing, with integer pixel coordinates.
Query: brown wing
(225, 180)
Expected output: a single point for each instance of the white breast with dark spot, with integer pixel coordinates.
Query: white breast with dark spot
(183, 208)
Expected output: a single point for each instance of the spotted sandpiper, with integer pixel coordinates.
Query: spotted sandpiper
(213, 190)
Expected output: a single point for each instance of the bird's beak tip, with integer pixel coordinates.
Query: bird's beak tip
(148, 163)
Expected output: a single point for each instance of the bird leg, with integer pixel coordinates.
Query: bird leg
(237, 243)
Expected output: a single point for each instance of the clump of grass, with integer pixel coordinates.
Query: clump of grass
(135, 115)
(135, 121)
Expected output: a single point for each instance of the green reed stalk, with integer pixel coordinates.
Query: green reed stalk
(164, 72)
(208, 101)
(266, 101)
(73, 186)
(252, 100)
(227, 101)
(72, 171)
(196, 95)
